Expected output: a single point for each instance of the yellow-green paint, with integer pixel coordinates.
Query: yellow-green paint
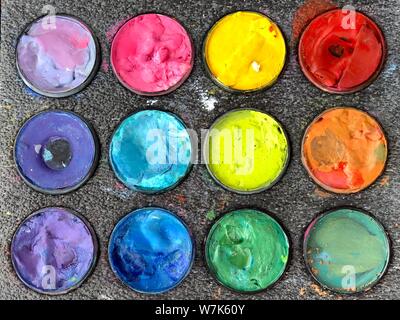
(246, 150)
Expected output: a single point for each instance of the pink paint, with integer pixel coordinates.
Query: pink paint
(55, 60)
(152, 54)
(66, 43)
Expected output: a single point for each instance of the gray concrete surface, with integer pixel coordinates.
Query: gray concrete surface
(293, 100)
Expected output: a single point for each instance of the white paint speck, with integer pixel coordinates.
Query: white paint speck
(208, 101)
(151, 102)
(256, 66)
(37, 148)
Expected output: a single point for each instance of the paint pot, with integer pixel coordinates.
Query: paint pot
(346, 250)
(342, 51)
(151, 151)
(54, 250)
(57, 56)
(344, 150)
(56, 151)
(246, 151)
(247, 250)
(152, 54)
(151, 250)
(244, 51)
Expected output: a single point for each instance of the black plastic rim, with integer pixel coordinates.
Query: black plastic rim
(190, 235)
(84, 180)
(175, 86)
(237, 91)
(192, 155)
(75, 90)
(213, 274)
(259, 190)
(91, 268)
(372, 284)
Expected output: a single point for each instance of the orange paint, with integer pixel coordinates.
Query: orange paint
(344, 150)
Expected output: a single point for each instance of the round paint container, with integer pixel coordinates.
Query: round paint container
(151, 151)
(246, 151)
(56, 151)
(244, 51)
(57, 56)
(151, 250)
(346, 250)
(152, 54)
(342, 51)
(344, 150)
(246, 251)
(54, 250)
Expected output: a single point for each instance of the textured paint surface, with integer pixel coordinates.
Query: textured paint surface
(346, 250)
(53, 250)
(152, 53)
(151, 151)
(31, 154)
(292, 100)
(341, 51)
(57, 57)
(247, 250)
(247, 150)
(245, 51)
(151, 250)
(344, 150)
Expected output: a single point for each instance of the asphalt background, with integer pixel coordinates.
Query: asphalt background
(295, 200)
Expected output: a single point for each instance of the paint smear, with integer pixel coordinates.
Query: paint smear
(305, 13)
(208, 101)
(211, 215)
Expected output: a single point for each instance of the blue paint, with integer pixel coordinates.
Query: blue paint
(151, 151)
(151, 250)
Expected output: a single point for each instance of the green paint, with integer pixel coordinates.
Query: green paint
(211, 215)
(381, 152)
(346, 250)
(247, 250)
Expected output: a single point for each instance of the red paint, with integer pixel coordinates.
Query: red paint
(338, 179)
(338, 59)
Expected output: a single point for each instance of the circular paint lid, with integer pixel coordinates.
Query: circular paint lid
(54, 250)
(56, 151)
(342, 51)
(232, 59)
(57, 55)
(257, 156)
(151, 250)
(151, 151)
(246, 250)
(344, 150)
(346, 250)
(152, 54)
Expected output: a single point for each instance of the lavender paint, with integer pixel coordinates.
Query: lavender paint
(58, 59)
(53, 250)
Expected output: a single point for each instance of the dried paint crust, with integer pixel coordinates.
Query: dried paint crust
(344, 150)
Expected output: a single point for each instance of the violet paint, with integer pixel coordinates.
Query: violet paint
(53, 250)
(62, 174)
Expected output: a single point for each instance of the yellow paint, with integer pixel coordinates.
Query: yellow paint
(245, 51)
(246, 150)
